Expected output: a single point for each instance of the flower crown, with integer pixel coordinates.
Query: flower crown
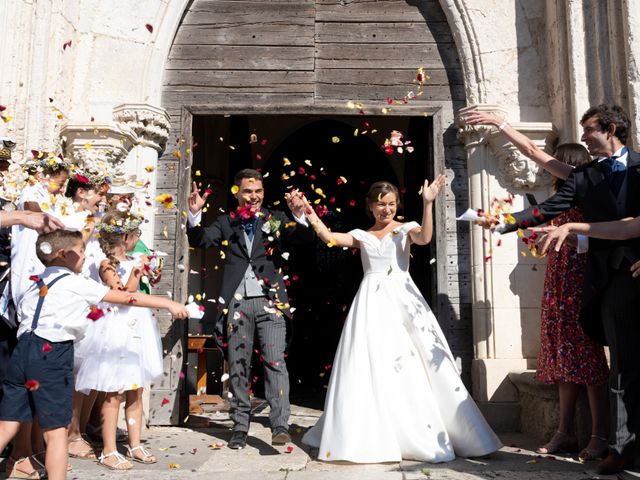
(90, 179)
(123, 225)
(94, 172)
(48, 160)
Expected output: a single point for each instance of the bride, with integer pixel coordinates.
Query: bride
(395, 392)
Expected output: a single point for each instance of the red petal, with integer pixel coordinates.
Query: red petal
(46, 348)
(164, 402)
(289, 449)
(32, 385)
(34, 278)
(95, 313)
(149, 27)
(2, 108)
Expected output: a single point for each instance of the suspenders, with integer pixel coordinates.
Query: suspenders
(36, 315)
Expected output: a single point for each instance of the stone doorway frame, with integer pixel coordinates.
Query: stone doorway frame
(185, 164)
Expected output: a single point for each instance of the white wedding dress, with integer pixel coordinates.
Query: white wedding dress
(395, 392)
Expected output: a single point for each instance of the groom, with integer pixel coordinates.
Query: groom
(253, 294)
(607, 189)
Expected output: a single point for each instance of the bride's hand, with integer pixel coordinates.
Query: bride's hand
(430, 191)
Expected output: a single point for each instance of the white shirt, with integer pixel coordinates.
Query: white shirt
(66, 306)
(620, 155)
(24, 261)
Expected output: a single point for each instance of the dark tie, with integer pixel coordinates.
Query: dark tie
(249, 227)
(614, 171)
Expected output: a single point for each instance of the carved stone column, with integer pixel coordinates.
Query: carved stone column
(505, 284)
(150, 125)
(106, 142)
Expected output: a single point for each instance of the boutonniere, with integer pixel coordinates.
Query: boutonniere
(395, 233)
(271, 225)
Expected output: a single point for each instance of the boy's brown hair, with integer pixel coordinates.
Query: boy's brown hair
(48, 244)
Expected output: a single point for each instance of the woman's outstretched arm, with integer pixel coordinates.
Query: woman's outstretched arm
(422, 235)
(528, 148)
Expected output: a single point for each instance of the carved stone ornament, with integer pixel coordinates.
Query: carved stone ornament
(88, 143)
(516, 170)
(150, 124)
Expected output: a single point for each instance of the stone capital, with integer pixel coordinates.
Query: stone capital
(88, 143)
(474, 135)
(150, 124)
(516, 170)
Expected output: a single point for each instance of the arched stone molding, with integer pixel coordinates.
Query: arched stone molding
(157, 57)
(464, 35)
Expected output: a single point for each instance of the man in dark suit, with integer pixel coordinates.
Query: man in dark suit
(607, 188)
(253, 295)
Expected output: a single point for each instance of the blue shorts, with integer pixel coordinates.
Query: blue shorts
(49, 365)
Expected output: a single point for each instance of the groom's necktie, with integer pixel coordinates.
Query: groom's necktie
(614, 170)
(249, 227)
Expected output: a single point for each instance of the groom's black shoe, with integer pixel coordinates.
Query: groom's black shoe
(238, 440)
(615, 463)
(280, 436)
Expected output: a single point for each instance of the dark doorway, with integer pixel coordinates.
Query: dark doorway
(333, 160)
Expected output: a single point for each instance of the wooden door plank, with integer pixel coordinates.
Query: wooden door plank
(383, 32)
(240, 57)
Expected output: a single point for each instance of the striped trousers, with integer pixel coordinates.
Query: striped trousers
(248, 318)
(620, 308)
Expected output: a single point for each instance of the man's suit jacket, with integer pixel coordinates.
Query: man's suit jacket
(265, 256)
(588, 189)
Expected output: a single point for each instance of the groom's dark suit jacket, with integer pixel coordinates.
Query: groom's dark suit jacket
(588, 189)
(265, 256)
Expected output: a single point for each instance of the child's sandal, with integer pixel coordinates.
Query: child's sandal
(34, 474)
(85, 454)
(40, 463)
(147, 456)
(121, 464)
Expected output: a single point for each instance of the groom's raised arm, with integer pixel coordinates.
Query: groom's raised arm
(203, 237)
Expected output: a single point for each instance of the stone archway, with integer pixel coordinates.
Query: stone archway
(226, 59)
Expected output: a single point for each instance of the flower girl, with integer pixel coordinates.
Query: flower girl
(123, 353)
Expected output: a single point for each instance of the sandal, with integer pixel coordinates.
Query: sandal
(40, 463)
(86, 454)
(147, 456)
(588, 454)
(35, 474)
(560, 442)
(121, 463)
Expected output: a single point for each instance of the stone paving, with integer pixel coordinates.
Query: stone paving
(199, 451)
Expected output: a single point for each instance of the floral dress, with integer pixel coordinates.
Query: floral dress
(567, 354)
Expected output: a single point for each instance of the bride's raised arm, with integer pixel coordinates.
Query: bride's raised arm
(422, 235)
(333, 239)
